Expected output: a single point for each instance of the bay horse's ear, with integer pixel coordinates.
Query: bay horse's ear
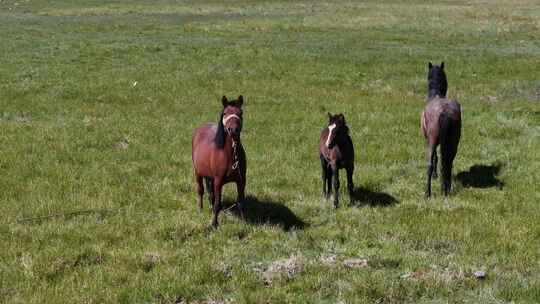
(430, 65)
(442, 65)
(224, 101)
(240, 100)
(329, 117)
(342, 117)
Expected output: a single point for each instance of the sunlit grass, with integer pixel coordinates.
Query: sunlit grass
(98, 102)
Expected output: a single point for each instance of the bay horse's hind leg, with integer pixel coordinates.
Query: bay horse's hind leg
(200, 190)
(210, 188)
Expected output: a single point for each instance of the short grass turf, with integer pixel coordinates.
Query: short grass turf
(98, 100)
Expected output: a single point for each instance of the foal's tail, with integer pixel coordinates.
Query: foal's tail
(448, 139)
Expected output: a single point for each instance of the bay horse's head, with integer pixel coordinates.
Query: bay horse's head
(231, 116)
(336, 128)
(437, 84)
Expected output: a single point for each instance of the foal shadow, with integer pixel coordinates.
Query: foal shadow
(365, 196)
(261, 212)
(481, 176)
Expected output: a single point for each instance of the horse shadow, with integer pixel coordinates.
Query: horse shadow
(260, 212)
(481, 176)
(362, 196)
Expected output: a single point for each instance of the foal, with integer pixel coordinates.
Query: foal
(441, 124)
(219, 157)
(336, 151)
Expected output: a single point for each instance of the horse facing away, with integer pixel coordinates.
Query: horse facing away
(441, 125)
(219, 157)
(336, 151)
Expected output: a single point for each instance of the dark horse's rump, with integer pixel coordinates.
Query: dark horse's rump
(336, 151)
(441, 125)
(219, 157)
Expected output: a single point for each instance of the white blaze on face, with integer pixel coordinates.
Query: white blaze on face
(330, 130)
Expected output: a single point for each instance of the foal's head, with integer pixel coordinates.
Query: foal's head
(437, 84)
(231, 117)
(336, 128)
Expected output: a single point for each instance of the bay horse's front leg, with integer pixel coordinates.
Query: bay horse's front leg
(210, 188)
(335, 174)
(240, 188)
(200, 190)
(217, 200)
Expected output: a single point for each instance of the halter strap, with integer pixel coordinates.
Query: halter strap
(225, 119)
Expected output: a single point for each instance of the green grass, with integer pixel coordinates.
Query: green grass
(107, 163)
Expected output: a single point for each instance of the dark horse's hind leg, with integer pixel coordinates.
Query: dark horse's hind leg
(434, 174)
(200, 190)
(430, 153)
(447, 160)
(350, 184)
(336, 187)
(210, 188)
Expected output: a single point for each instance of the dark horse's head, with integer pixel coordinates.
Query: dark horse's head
(437, 84)
(336, 129)
(230, 120)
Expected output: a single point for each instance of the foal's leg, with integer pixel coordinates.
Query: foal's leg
(324, 175)
(217, 200)
(240, 187)
(210, 189)
(336, 187)
(200, 190)
(350, 184)
(329, 176)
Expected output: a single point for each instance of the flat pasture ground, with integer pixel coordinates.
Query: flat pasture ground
(98, 100)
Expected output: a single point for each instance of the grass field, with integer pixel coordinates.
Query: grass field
(98, 100)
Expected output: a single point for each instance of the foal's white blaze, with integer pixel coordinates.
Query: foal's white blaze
(330, 130)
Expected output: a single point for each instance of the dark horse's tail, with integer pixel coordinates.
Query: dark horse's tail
(449, 133)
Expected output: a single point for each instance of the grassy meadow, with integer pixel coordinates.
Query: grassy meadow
(98, 100)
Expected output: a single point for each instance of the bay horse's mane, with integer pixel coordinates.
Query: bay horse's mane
(220, 134)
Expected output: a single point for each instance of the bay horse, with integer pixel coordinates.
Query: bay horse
(219, 157)
(336, 151)
(441, 125)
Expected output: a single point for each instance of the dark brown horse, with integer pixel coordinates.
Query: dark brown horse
(219, 158)
(441, 125)
(336, 151)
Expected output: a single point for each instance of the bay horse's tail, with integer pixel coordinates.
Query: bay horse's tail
(449, 133)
